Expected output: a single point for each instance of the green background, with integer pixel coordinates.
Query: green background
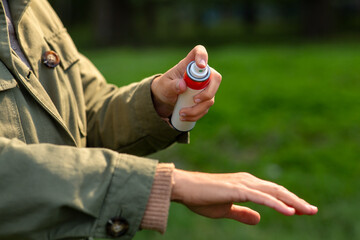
(285, 113)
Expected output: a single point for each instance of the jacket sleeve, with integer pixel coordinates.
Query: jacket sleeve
(124, 119)
(57, 192)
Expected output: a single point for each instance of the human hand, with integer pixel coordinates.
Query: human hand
(214, 195)
(167, 87)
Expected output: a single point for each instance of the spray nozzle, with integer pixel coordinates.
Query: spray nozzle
(198, 72)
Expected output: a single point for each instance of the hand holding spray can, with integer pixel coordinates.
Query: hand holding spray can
(196, 80)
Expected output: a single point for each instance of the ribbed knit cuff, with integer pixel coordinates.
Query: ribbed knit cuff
(157, 209)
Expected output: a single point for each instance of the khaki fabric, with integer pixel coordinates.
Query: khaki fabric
(66, 137)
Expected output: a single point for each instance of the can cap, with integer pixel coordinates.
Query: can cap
(195, 77)
(198, 72)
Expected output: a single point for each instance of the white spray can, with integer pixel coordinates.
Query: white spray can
(196, 80)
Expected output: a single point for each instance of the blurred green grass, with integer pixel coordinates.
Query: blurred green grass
(288, 114)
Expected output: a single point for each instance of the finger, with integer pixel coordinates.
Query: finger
(210, 91)
(197, 111)
(313, 210)
(289, 198)
(184, 117)
(266, 200)
(281, 193)
(201, 56)
(243, 214)
(197, 54)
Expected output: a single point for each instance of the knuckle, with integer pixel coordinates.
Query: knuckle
(219, 76)
(215, 75)
(212, 102)
(278, 189)
(282, 189)
(207, 96)
(241, 195)
(246, 174)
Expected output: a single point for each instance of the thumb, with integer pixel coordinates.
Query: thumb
(180, 86)
(243, 214)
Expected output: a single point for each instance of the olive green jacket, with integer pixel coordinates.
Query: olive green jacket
(51, 186)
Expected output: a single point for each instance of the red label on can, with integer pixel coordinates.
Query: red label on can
(196, 85)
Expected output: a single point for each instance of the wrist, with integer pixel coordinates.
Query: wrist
(173, 195)
(178, 182)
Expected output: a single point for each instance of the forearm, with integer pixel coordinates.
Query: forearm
(124, 119)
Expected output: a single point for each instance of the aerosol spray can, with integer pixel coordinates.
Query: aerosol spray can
(196, 80)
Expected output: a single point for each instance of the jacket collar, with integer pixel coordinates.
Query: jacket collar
(5, 54)
(17, 8)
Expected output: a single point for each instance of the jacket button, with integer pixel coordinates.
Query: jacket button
(50, 58)
(117, 227)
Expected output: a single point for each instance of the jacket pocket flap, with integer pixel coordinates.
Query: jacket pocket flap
(63, 45)
(7, 81)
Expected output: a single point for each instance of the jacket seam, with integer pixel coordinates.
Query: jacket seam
(19, 129)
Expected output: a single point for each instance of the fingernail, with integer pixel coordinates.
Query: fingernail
(313, 208)
(197, 100)
(182, 114)
(291, 210)
(202, 62)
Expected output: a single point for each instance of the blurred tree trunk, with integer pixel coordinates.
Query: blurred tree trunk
(249, 15)
(65, 10)
(149, 10)
(145, 14)
(316, 18)
(113, 21)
